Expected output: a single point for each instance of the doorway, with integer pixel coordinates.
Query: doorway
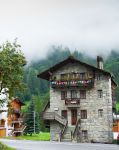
(73, 116)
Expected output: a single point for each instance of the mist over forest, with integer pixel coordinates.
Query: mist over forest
(39, 88)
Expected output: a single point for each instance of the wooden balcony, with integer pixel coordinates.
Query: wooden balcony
(16, 111)
(72, 102)
(72, 83)
(18, 130)
(18, 120)
(2, 126)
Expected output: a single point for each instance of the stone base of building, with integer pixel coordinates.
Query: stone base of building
(93, 137)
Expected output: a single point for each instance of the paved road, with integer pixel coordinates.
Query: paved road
(36, 145)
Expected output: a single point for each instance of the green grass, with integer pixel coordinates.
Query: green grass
(4, 147)
(117, 106)
(44, 136)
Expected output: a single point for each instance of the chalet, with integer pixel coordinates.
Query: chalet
(80, 105)
(15, 118)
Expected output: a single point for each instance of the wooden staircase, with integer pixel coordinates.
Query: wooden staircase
(76, 133)
(54, 116)
(60, 119)
(67, 133)
(63, 131)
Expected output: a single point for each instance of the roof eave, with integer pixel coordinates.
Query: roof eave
(46, 74)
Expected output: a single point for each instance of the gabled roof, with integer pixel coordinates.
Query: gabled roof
(47, 73)
(18, 101)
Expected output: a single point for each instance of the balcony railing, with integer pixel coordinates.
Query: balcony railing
(54, 116)
(18, 120)
(72, 101)
(76, 76)
(2, 126)
(72, 83)
(21, 129)
(16, 111)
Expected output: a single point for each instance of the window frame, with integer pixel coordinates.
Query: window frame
(63, 95)
(83, 95)
(72, 96)
(63, 76)
(99, 77)
(85, 134)
(82, 76)
(84, 114)
(100, 93)
(63, 113)
(100, 113)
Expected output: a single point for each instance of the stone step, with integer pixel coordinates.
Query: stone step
(66, 140)
(67, 137)
(67, 133)
(70, 128)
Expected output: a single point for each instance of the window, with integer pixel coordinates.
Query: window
(73, 94)
(82, 76)
(100, 112)
(64, 114)
(63, 95)
(100, 94)
(99, 76)
(83, 94)
(83, 114)
(63, 77)
(75, 76)
(54, 78)
(84, 134)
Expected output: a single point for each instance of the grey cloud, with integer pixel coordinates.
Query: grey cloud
(90, 26)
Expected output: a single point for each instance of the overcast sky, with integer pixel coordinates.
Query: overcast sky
(91, 26)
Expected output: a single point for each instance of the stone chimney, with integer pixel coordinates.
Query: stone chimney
(99, 62)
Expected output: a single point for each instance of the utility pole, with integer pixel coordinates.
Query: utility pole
(34, 116)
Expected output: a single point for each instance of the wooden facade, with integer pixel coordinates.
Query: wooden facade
(2, 128)
(116, 126)
(15, 118)
(2, 132)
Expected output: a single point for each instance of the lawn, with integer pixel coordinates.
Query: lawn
(40, 137)
(117, 106)
(4, 147)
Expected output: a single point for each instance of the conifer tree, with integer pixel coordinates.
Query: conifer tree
(31, 120)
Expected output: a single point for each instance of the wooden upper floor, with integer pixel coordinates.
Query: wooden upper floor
(14, 114)
(72, 80)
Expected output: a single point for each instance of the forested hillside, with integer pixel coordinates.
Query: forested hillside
(36, 87)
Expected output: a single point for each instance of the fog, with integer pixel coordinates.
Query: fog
(90, 26)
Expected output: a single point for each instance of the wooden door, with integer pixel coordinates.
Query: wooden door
(73, 116)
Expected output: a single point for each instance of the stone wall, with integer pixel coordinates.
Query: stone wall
(99, 128)
(55, 129)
